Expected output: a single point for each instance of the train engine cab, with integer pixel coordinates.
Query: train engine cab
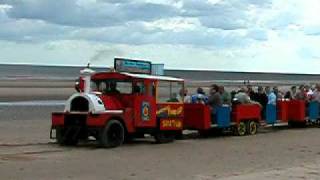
(118, 106)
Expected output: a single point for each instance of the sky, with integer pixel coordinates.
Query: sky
(232, 35)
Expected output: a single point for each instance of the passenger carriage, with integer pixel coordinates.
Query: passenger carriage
(296, 113)
(242, 119)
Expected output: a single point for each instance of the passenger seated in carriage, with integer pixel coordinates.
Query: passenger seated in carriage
(242, 97)
(200, 97)
(215, 101)
(183, 96)
(225, 96)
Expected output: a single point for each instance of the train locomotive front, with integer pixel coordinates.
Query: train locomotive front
(116, 106)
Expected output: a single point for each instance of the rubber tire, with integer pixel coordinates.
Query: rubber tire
(62, 140)
(113, 134)
(179, 135)
(303, 124)
(252, 128)
(240, 129)
(204, 133)
(291, 124)
(162, 137)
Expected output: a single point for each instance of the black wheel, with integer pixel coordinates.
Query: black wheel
(164, 137)
(112, 135)
(318, 123)
(252, 127)
(204, 133)
(66, 136)
(291, 124)
(294, 124)
(303, 124)
(240, 129)
(179, 135)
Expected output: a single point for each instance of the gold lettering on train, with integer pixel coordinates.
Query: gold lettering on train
(171, 112)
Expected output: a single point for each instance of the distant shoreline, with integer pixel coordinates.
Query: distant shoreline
(166, 69)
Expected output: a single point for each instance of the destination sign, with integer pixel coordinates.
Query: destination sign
(132, 66)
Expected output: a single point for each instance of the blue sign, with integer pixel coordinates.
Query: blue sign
(132, 66)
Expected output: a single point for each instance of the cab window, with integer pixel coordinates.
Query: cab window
(169, 91)
(112, 86)
(138, 88)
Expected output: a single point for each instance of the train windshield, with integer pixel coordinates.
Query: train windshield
(112, 86)
(170, 92)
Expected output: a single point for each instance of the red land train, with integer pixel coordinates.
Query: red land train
(115, 106)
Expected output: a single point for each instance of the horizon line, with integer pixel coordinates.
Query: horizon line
(168, 69)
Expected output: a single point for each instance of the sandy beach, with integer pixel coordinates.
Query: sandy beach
(26, 152)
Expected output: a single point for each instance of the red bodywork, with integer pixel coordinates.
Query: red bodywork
(170, 116)
(198, 116)
(135, 111)
(96, 120)
(282, 110)
(246, 112)
(293, 110)
(297, 110)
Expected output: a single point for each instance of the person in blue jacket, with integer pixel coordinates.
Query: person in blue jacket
(200, 97)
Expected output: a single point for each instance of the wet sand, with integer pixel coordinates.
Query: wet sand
(26, 152)
(26, 90)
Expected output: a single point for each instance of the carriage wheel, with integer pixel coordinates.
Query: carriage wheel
(241, 129)
(252, 128)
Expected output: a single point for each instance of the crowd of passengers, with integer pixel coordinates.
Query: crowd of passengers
(218, 96)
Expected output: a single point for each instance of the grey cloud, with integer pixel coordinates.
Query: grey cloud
(70, 13)
(26, 30)
(122, 22)
(134, 33)
(226, 15)
(137, 35)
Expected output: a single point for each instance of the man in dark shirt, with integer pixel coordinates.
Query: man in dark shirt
(215, 100)
(251, 93)
(262, 98)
